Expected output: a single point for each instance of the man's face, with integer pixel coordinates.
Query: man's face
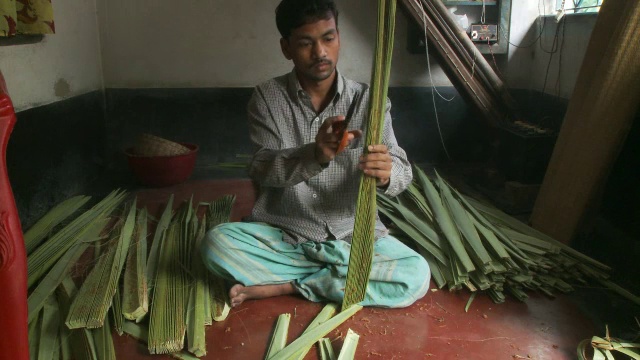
(314, 49)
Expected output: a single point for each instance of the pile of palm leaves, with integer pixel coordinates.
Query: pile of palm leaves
(323, 323)
(473, 245)
(161, 296)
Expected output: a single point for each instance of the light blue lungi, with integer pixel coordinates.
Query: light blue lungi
(254, 254)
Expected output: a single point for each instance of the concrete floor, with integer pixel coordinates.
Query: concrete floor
(435, 327)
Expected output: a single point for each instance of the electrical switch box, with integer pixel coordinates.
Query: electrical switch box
(484, 33)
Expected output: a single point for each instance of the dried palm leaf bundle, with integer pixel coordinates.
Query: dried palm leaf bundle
(186, 294)
(61, 269)
(470, 244)
(361, 256)
(46, 255)
(90, 306)
(43, 227)
(81, 341)
(219, 211)
(141, 333)
(168, 320)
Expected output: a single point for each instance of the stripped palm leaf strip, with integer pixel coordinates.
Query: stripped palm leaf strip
(116, 310)
(199, 294)
(104, 341)
(326, 350)
(50, 330)
(135, 297)
(603, 348)
(81, 341)
(325, 314)
(219, 212)
(307, 339)
(158, 238)
(279, 337)
(348, 351)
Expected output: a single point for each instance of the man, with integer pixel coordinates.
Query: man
(299, 237)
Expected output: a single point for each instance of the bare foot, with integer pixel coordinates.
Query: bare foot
(239, 293)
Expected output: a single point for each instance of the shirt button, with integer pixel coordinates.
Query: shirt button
(316, 119)
(315, 196)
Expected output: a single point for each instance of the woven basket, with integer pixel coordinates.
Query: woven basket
(151, 145)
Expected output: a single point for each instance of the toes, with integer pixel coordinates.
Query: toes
(236, 295)
(235, 290)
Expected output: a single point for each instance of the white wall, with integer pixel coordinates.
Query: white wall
(527, 67)
(62, 65)
(524, 31)
(230, 43)
(562, 76)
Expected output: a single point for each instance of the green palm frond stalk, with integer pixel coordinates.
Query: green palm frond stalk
(363, 239)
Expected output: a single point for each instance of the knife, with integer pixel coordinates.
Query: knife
(340, 128)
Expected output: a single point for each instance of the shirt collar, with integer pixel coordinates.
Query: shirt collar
(296, 90)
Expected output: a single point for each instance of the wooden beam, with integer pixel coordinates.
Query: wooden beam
(599, 116)
(484, 91)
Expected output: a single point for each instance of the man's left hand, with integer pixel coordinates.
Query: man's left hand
(377, 163)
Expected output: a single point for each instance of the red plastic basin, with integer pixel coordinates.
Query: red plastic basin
(160, 171)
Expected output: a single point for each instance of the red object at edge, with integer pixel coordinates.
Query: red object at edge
(14, 342)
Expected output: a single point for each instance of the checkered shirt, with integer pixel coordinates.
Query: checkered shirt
(307, 201)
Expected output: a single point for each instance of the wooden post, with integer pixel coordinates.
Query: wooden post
(599, 116)
(14, 342)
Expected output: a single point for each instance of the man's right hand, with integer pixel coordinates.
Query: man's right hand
(327, 141)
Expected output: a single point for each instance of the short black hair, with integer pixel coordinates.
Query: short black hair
(291, 14)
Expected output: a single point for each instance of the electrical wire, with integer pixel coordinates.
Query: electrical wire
(495, 63)
(424, 21)
(555, 46)
(433, 91)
